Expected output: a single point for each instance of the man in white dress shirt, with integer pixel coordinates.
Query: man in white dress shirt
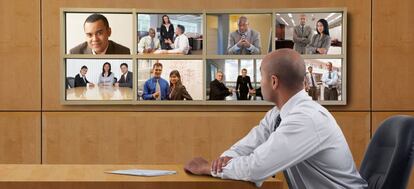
(181, 44)
(310, 83)
(330, 82)
(149, 43)
(298, 136)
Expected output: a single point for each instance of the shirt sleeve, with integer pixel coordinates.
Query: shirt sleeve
(294, 141)
(147, 93)
(141, 45)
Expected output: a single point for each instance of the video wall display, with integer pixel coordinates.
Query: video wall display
(198, 57)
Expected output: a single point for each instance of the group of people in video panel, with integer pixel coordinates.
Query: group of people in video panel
(243, 41)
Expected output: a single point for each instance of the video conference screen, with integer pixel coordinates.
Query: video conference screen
(128, 56)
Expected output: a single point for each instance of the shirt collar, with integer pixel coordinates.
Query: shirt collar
(93, 52)
(291, 103)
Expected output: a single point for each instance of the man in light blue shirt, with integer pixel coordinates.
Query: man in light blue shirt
(298, 136)
(330, 82)
(156, 88)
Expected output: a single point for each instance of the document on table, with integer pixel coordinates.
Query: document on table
(142, 172)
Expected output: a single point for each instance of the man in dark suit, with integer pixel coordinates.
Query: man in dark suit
(97, 32)
(80, 79)
(244, 40)
(218, 91)
(126, 78)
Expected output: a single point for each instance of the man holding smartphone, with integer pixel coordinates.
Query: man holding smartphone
(244, 40)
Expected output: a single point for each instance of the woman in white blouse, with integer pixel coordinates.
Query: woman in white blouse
(106, 78)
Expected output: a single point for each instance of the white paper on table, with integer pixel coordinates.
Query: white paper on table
(142, 172)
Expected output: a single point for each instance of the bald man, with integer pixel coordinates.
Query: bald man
(298, 136)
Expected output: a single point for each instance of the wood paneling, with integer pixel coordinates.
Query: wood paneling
(392, 56)
(145, 138)
(359, 28)
(20, 55)
(19, 137)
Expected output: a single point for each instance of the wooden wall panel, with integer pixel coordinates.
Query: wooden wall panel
(20, 55)
(359, 28)
(20, 137)
(392, 56)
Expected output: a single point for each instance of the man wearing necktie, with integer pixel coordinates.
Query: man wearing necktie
(149, 43)
(126, 77)
(330, 81)
(310, 83)
(156, 88)
(80, 79)
(302, 35)
(298, 137)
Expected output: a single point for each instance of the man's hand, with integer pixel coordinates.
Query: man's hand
(198, 166)
(116, 84)
(218, 164)
(156, 95)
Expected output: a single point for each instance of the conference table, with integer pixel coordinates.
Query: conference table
(99, 93)
(86, 176)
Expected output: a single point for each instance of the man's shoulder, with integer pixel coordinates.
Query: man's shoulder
(79, 49)
(117, 48)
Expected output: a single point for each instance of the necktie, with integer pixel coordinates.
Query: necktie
(329, 76)
(302, 31)
(84, 79)
(313, 82)
(152, 45)
(123, 78)
(285, 172)
(158, 89)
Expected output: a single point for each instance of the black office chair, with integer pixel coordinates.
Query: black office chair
(389, 157)
(70, 82)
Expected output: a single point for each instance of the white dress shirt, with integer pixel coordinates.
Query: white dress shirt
(308, 144)
(145, 43)
(309, 77)
(332, 82)
(181, 45)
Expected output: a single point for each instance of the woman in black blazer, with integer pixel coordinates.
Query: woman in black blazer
(243, 85)
(177, 90)
(167, 32)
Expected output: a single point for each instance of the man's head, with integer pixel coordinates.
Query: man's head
(244, 72)
(310, 69)
(302, 19)
(282, 73)
(219, 75)
(243, 24)
(124, 68)
(83, 70)
(151, 32)
(157, 69)
(180, 29)
(97, 32)
(329, 66)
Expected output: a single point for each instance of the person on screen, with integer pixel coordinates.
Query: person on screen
(80, 78)
(177, 89)
(310, 83)
(320, 42)
(106, 78)
(156, 88)
(244, 40)
(219, 91)
(330, 81)
(149, 43)
(302, 35)
(180, 44)
(167, 32)
(243, 85)
(97, 33)
(297, 136)
(126, 77)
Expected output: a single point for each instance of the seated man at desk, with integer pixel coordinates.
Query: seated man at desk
(181, 44)
(219, 91)
(298, 136)
(156, 88)
(80, 78)
(97, 33)
(149, 43)
(126, 77)
(244, 40)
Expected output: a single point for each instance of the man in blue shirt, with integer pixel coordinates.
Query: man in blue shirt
(156, 88)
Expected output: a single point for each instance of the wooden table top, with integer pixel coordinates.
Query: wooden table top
(99, 93)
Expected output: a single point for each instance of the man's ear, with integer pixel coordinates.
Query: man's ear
(109, 31)
(275, 82)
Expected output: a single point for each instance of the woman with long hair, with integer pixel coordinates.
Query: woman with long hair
(106, 78)
(320, 42)
(177, 89)
(166, 33)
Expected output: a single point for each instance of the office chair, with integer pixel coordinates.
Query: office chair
(389, 157)
(70, 82)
